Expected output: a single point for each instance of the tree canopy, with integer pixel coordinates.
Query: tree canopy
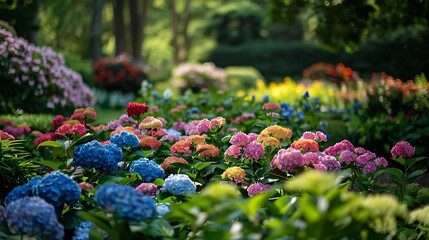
(346, 23)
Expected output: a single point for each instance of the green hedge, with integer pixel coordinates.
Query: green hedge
(402, 55)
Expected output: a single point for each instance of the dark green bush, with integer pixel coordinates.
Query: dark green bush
(273, 59)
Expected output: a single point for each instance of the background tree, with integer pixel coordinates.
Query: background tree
(95, 40)
(346, 23)
(23, 16)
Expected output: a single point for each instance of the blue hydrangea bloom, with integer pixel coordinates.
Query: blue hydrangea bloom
(171, 131)
(300, 115)
(25, 190)
(265, 98)
(162, 209)
(148, 169)
(82, 232)
(125, 202)
(125, 139)
(179, 184)
(95, 155)
(306, 95)
(33, 216)
(284, 106)
(195, 110)
(57, 188)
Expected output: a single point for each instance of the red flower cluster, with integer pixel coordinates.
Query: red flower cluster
(136, 109)
(118, 73)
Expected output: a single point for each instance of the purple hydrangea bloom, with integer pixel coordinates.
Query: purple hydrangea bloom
(25, 190)
(95, 155)
(57, 188)
(125, 202)
(33, 216)
(125, 139)
(179, 184)
(148, 169)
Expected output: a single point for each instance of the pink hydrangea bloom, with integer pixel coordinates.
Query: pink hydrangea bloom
(217, 122)
(321, 136)
(287, 159)
(370, 167)
(339, 147)
(402, 149)
(233, 151)
(270, 106)
(179, 126)
(331, 163)
(360, 150)
(239, 139)
(86, 186)
(364, 158)
(381, 161)
(257, 188)
(320, 167)
(203, 126)
(252, 137)
(149, 189)
(310, 158)
(347, 157)
(191, 128)
(254, 150)
(309, 135)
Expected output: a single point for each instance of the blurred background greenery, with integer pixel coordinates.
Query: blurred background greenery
(277, 37)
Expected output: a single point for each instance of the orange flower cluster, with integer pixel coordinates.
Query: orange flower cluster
(305, 145)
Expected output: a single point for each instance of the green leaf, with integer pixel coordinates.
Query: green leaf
(200, 166)
(161, 228)
(396, 172)
(98, 219)
(412, 161)
(50, 144)
(50, 163)
(96, 235)
(159, 182)
(254, 204)
(416, 174)
(399, 160)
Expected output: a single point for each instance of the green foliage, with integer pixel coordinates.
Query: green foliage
(242, 78)
(39, 122)
(273, 59)
(82, 66)
(346, 24)
(16, 165)
(236, 23)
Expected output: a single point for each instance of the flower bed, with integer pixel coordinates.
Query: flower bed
(234, 169)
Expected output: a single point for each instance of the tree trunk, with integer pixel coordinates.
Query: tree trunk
(185, 24)
(119, 26)
(138, 12)
(175, 31)
(95, 42)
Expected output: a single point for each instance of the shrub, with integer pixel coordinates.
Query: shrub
(118, 73)
(242, 78)
(35, 79)
(198, 76)
(273, 59)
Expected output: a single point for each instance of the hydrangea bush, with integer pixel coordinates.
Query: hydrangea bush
(35, 79)
(245, 171)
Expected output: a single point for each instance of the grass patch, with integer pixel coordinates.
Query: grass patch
(105, 115)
